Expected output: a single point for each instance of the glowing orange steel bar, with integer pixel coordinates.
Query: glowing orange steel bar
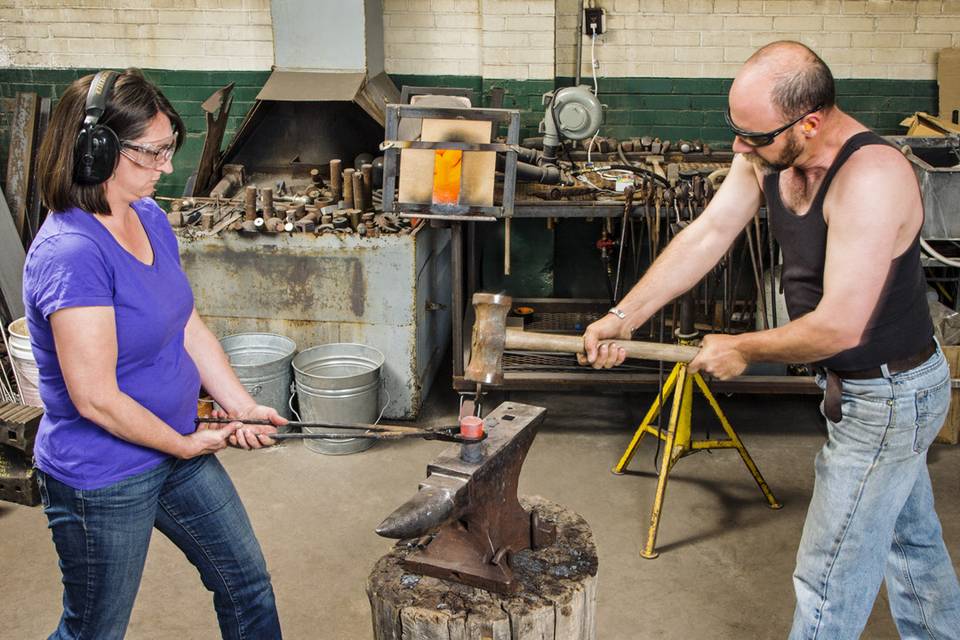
(446, 176)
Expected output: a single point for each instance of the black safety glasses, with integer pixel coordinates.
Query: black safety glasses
(759, 139)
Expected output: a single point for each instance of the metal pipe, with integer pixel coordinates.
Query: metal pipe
(576, 81)
(266, 194)
(366, 172)
(348, 196)
(452, 217)
(250, 203)
(359, 202)
(544, 174)
(336, 180)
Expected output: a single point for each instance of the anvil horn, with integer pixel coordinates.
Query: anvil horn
(429, 508)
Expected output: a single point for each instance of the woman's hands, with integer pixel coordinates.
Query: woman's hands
(247, 436)
(206, 439)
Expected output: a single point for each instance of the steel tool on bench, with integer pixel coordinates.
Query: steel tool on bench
(366, 431)
(466, 518)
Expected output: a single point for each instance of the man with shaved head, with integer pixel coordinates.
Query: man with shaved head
(846, 210)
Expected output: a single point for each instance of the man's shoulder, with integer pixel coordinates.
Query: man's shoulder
(874, 162)
(878, 182)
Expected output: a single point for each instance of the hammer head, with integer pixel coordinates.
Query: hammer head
(489, 334)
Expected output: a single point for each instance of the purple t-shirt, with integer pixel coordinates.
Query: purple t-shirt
(75, 262)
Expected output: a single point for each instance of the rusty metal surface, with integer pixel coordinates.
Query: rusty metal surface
(20, 159)
(18, 479)
(278, 137)
(390, 292)
(216, 111)
(18, 425)
(470, 510)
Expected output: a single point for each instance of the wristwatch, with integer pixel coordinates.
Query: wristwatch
(617, 312)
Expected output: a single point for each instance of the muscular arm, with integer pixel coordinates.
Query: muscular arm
(696, 249)
(688, 257)
(86, 342)
(872, 214)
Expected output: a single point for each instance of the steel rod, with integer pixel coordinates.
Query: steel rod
(315, 425)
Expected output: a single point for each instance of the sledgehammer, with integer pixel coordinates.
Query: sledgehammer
(491, 336)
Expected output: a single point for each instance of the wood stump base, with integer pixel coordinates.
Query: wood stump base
(557, 599)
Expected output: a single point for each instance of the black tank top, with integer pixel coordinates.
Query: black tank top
(900, 325)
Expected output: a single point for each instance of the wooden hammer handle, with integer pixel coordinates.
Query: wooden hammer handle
(533, 341)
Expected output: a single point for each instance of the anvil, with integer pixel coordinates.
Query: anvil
(466, 517)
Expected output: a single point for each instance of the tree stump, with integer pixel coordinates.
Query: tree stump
(556, 600)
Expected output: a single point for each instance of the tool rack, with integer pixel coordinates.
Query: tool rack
(537, 372)
(531, 371)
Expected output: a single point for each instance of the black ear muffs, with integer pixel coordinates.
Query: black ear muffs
(97, 149)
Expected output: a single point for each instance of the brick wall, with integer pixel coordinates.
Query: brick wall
(504, 39)
(162, 34)
(489, 38)
(888, 39)
(894, 39)
(663, 63)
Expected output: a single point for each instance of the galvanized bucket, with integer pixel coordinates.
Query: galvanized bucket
(21, 357)
(338, 383)
(262, 363)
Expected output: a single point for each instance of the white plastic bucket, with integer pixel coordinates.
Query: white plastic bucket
(21, 357)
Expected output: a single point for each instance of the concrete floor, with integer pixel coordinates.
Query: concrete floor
(725, 564)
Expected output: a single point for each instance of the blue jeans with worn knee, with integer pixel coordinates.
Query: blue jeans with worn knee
(871, 517)
(102, 537)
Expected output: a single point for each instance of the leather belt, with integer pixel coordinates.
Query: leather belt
(831, 397)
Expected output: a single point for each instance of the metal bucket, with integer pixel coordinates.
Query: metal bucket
(21, 357)
(340, 383)
(262, 363)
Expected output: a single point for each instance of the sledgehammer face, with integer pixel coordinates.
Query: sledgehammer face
(473, 507)
(487, 340)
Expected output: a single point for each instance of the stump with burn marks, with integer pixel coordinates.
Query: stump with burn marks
(556, 600)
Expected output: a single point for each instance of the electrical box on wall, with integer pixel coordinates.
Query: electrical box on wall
(594, 21)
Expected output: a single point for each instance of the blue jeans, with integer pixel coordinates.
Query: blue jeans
(871, 517)
(102, 537)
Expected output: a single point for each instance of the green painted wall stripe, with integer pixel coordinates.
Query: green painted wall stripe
(671, 108)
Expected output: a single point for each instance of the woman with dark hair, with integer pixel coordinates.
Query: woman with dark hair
(122, 354)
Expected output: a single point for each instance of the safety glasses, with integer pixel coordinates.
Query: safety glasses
(762, 139)
(150, 156)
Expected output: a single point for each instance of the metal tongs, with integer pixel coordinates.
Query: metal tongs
(367, 431)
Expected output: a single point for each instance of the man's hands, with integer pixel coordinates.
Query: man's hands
(247, 436)
(719, 356)
(719, 353)
(605, 356)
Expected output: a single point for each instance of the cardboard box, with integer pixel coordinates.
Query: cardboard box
(948, 77)
(924, 125)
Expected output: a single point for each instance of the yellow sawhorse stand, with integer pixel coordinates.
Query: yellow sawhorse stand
(679, 443)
